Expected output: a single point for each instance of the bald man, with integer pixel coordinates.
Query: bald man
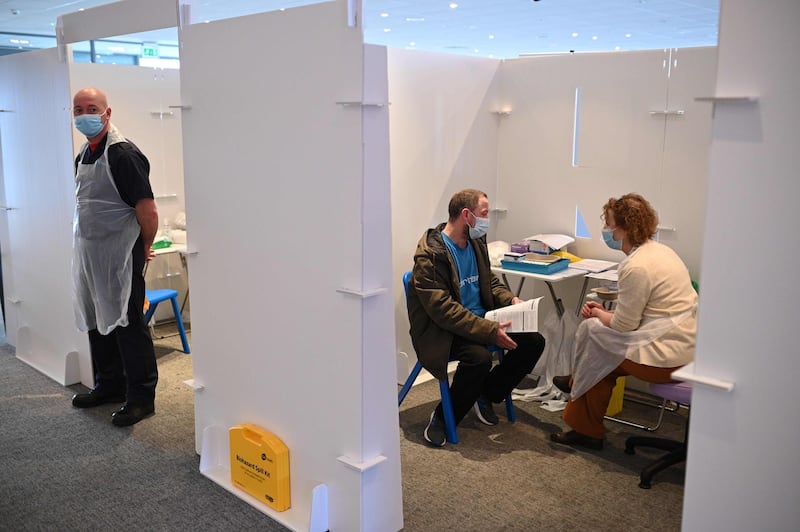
(116, 220)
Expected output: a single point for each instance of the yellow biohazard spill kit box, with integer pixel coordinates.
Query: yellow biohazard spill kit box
(260, 465)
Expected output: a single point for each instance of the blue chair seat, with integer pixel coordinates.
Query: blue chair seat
(157, 296)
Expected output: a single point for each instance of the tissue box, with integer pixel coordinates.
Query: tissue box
(536, 246)
(520, 247)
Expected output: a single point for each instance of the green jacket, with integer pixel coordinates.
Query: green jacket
(434, 301)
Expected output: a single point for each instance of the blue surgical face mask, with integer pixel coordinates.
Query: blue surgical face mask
(481, 227)
(89, 125)
(608, 237)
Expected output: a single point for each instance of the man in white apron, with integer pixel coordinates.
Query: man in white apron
(115, 222)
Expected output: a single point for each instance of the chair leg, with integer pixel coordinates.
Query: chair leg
(511, 413)
(447, 410)
(409, 383)
(675, 457)
(150, 311)
(179, 320)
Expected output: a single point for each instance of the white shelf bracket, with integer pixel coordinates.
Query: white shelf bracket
(363, 294)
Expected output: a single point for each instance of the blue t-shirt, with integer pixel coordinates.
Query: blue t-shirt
(467, 266)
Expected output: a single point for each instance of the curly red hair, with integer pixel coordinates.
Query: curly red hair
(635, 215)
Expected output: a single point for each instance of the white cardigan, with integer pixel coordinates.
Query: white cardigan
(654, 283)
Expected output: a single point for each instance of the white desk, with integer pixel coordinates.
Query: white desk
(548, 279)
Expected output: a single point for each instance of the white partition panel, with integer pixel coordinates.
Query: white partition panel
(287, 216)
(742, 464)
(444, 139)
(39, 186)
(681, 193)
(624, 142)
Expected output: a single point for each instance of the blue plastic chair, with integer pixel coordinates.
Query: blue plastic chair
(157, 296)
(444, 388)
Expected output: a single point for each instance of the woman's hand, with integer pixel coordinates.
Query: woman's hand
(593, 309)
(588, 307)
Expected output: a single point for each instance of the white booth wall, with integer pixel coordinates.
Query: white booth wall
(288, 213)
(38, 185)
(742, 466)
(507, 127)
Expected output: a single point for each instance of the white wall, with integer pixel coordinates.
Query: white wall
(622, 147)
(742, 466)
(38, 182)
(287, 205)
(443, 139)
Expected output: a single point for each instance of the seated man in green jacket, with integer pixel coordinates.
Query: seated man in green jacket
(452, 287)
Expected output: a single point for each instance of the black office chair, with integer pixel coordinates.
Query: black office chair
(681, 393)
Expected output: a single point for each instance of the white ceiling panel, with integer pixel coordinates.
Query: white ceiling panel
(486, 28)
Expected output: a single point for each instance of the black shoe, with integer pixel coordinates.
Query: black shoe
(562, 383)
(485, 411)
(434, 432)
(96, 398)
(130, 414)
(576, 438)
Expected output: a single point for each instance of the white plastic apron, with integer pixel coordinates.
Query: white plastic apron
(105, 230)
(600, 349)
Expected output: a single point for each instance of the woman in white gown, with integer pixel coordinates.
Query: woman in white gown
(651, 332)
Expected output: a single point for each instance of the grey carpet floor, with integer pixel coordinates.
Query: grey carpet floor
(510, 477)
(67, 469)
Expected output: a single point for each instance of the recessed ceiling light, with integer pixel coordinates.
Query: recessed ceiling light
(574, 34)
(387, 30)
(453, 5)
(594, 37)
(617, 48)
(415, 19)
(384, 15)
(475, 50)
(491, 36)
(412, 43)
(627, 35)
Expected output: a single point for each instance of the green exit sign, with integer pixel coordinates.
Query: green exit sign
(149, 51)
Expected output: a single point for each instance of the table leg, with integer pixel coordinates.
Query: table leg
(186, 270)
(556, 300)
(519, 286)
(583, 295)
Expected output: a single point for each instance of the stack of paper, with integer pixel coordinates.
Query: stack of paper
(552, 240)
(593, 265)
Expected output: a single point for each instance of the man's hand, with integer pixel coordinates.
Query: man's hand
(516, 300)
(502, 339)
(150, 254)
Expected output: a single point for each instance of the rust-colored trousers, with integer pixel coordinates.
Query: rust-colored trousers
(585, 414)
